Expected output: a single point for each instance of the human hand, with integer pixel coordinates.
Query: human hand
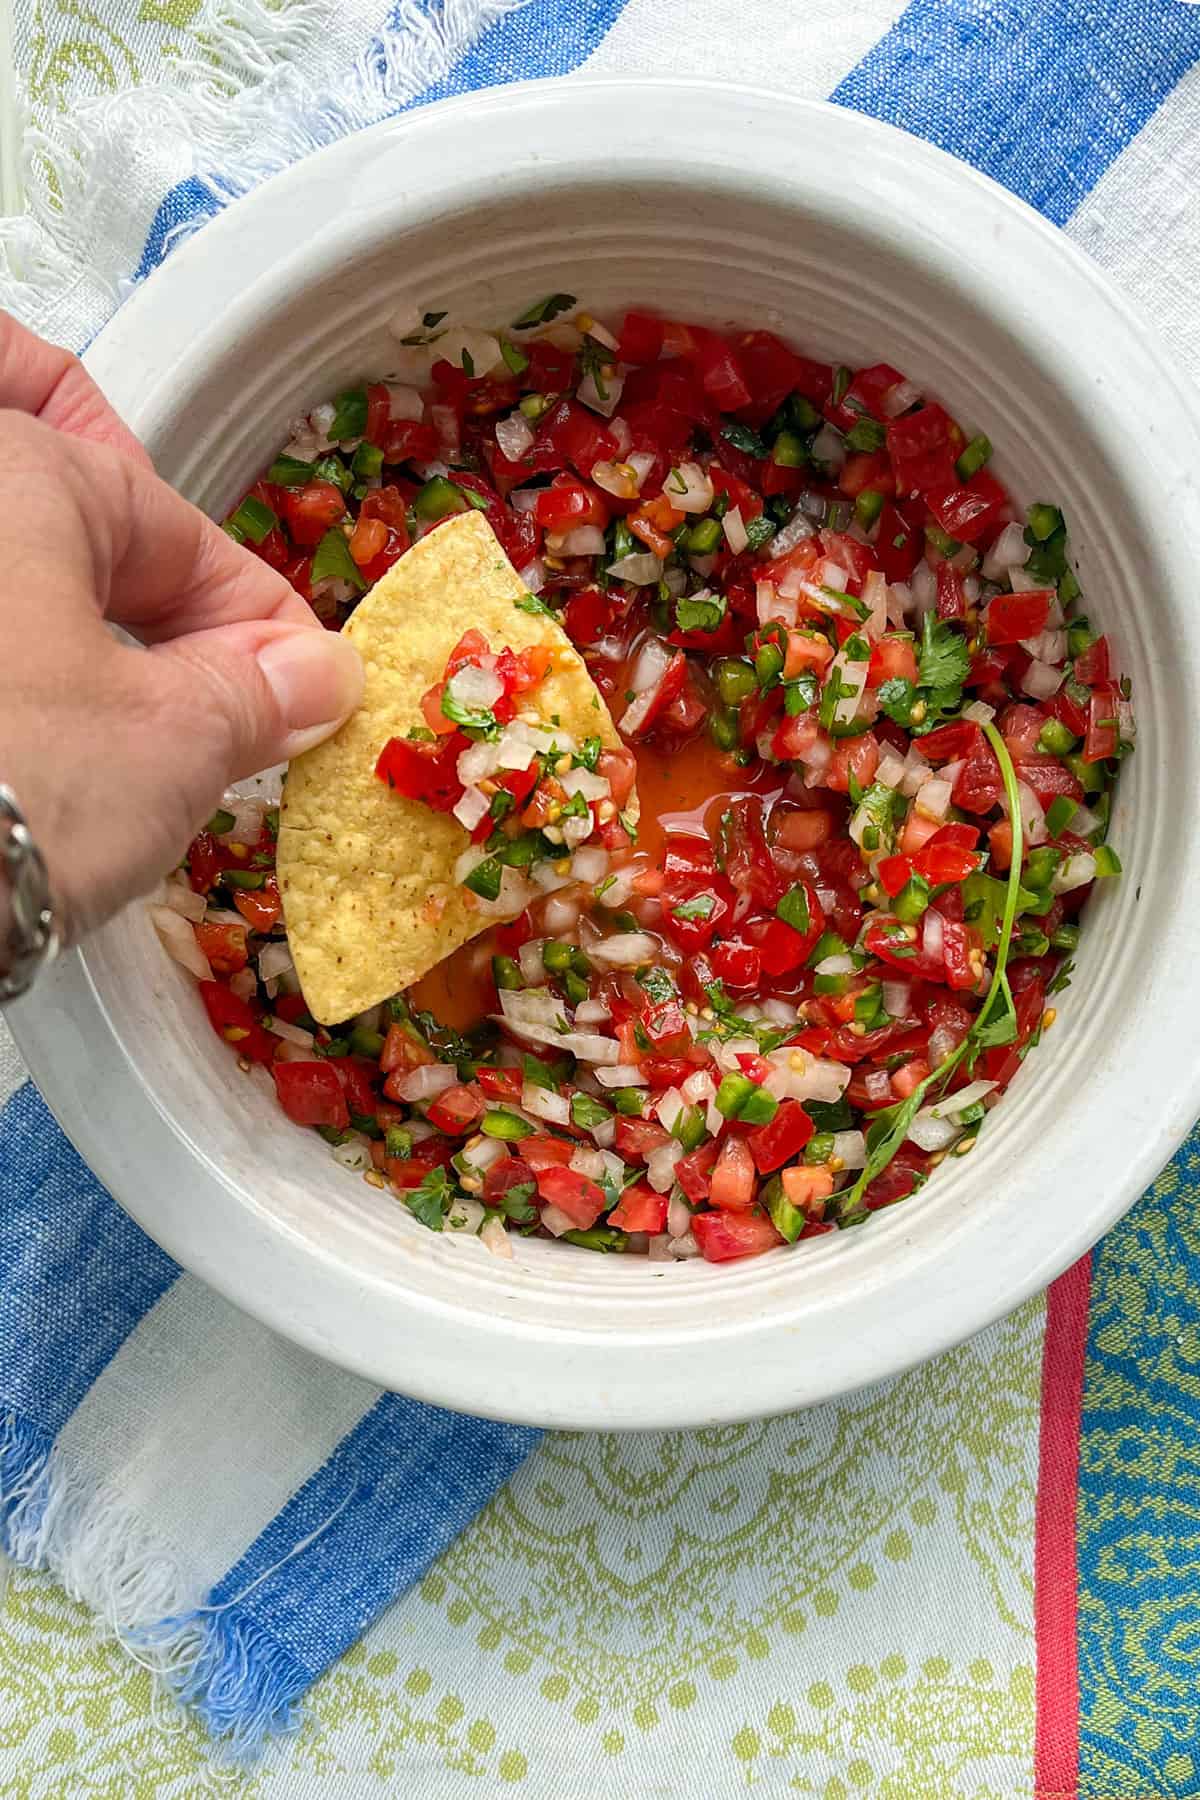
(118, 755)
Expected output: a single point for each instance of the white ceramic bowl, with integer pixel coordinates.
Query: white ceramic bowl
(859, 243)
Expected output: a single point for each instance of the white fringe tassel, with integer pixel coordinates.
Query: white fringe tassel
(245, 111)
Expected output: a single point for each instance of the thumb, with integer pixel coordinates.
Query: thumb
(243, 696)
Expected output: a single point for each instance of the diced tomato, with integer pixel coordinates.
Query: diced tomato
(501, 1084)
(806, 650)
(311, 1094)
(892, 659)
(1048, 778)
(967, 512)
(1020, 726)
(502, 1176)
(571, 434)
(893, 873)
(224, 946)
(720, 372)
(640, 1209)
(737, 964)
(979, 784)
(889, 941)
(898, 545)
(867, 392)
(1103, 735)
(949, 855)
(723, 1236)
(866, 469)
(357, 1076)
(775, 1143)
(808, 1188)
(693, 1172)
(951, 596)
(781, 946)
(637, 1139)
(1029, 996)
(574, 1194)
(1092, 664)
(544, 1152)
(857, 756)
(260, 907)
(591, 615)
(232, 1019)
(311, 510)
(923, 446)
(403, 1051)
(410, 1171)
(291, 1008)
(732, 1186)
(568, 503)
(619, 769)
(897, 1181)
(551, 368)
(956, 947)
(794, 829)
(951, 743)
(424, 771)
(641, 338)
(772, 371)
(456, 1108)
(1010, 617)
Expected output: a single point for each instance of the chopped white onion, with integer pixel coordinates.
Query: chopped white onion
(1008, 552)
(244, 984)
(529, 960)
(1049, 646)
(534, 575)
(494, 1237)
(950, 1106)
(1039, 680)
(524, 499)
(592, 1012)
(179, 940)
(354, 1154)
(835, 965)
(660, 1165)
(477, 761)
(923, 587)
(603, 402)
(829, 446)
(247, 818)
(734, 527)
(444, 420)
(589, 1162)
(639, 567)
(689, 488)
(899, 399)
(514, 435)
(979, 712)
(932, 934)
(471, 807)
(917, 770)
(896, 996)
(426, 1081)
(641, 462)
(929, 1133)
(624, 950)
(933, 797)
(942, 1041)
(670, 1106)
(543, 1103)
(659, 1249)
(404, 402)
(798, 528)
(185, 901)
(512, 750)
(275, 959)
(685, 1247)
(619, 1075)
(583, 781)
(679, 1218)
(698, 1088)
(875, 599)
(466, 1216)
(890, 772)
(1076, 872)
(475, 687)
(557, 1221)
(623, 433)
(617, 479)
(584, 540)
(589, 865)
(851, 1146)
(560, 916)
(292, 1034)
(482, 1152)
(814, 1079)
(619, 890)
(1033, 819)
(1083, 822)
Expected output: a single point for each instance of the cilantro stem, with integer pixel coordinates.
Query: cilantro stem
(886, 1149)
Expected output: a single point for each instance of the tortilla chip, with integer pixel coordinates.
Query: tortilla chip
(367, 876)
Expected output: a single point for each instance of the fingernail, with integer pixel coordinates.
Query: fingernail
(316, 678)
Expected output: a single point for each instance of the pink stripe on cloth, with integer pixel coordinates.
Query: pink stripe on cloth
(1056, 1746)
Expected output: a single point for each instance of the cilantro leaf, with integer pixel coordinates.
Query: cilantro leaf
(530, 603)
(703, 612)
(944, 661)
(742, 438)
(542, 311)
(430, 1201)
(897, 697)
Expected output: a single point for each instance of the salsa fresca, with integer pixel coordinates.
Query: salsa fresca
(874, 739)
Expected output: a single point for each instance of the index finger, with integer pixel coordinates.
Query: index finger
(53, 385)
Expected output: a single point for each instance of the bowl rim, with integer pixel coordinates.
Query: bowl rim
(67, 1037)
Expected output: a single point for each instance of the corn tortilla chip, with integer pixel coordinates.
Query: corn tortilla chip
(366, 875)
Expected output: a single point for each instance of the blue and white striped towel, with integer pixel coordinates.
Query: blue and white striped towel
(236, 1509)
